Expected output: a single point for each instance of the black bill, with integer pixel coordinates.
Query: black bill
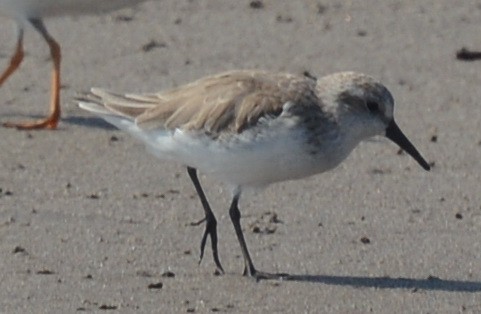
(394, 133)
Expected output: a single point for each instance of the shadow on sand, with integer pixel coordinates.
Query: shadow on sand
(90, 122)
(431, 283)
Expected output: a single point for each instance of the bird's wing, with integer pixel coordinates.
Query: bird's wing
(231, 101)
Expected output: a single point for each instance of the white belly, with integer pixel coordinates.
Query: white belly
(277, 155)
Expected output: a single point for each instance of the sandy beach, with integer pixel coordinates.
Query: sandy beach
(92, 222)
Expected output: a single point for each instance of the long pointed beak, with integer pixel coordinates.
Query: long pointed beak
(394, 133)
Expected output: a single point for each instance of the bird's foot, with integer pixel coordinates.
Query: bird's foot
(49, 123)
(261, 275)
(211, 229)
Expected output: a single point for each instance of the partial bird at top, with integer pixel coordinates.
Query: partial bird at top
(33, 12)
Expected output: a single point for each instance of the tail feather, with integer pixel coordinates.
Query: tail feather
(124, 105)
(120, 111)
(97, 102)
(93, 107)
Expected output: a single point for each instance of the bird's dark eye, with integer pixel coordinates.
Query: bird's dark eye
(372, 106)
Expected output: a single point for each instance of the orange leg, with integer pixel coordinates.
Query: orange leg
(51, 121)
(15, 60)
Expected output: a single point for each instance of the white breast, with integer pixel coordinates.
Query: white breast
(254, 158)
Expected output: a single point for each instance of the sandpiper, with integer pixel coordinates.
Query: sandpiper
(252, 128)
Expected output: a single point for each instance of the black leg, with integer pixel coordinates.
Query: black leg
(211, 222)
(249, 269)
